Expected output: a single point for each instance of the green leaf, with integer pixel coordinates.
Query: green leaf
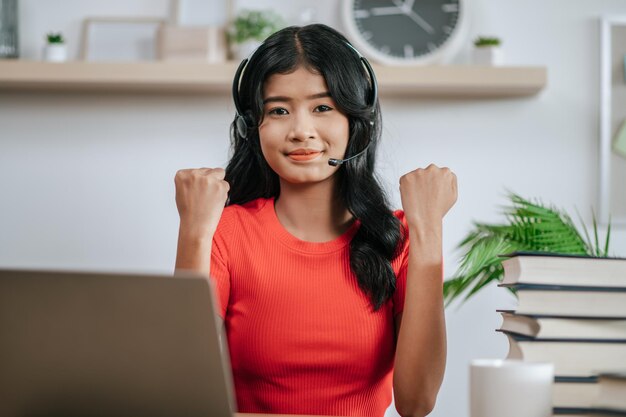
(608, 235)
(530, 226)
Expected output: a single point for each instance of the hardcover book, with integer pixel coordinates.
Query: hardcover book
(572, 301)
(571, 358)
(612, 391)
(556, 269)
(555, 327)
(574, 392)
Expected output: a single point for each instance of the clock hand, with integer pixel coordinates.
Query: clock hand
(414, 16)
(408, 4)
(380, 11)
(421, 22)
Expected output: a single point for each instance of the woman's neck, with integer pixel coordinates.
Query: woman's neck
(312, 212)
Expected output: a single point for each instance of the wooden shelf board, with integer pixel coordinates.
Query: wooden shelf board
(159, 77)
(462, 81)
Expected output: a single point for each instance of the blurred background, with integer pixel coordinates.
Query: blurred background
(87, 177)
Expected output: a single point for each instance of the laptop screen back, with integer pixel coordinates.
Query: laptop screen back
(110, 345)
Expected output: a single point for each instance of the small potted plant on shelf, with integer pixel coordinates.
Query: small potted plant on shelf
(249, 30)
(55, 49)
(488, 51)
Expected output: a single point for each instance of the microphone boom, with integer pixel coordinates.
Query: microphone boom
(337, 162)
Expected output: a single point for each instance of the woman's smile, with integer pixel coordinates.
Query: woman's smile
(302, 155)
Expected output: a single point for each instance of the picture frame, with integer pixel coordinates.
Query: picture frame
(612, 165)
(200, 12)
(196, 31)
(120, 38)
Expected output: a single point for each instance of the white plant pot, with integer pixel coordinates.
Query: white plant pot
(55, 53)
(488, 55)
(244, 49)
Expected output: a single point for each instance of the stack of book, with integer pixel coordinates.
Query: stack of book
(571, 312)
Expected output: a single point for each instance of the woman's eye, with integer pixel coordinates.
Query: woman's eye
(278, 110)
(323, 108)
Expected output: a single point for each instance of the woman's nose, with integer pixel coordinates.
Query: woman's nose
(302, 127)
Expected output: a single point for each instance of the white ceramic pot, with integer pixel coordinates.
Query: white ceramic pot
(244, 49)
(488, 55)
(56, 52)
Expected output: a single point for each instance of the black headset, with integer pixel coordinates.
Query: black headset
(244, 122)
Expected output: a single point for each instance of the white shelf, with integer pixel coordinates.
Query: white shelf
(202, 78)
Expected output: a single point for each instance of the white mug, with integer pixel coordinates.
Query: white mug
(511, 388)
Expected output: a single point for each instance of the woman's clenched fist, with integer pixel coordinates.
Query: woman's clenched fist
(200, 197)
(427, 194)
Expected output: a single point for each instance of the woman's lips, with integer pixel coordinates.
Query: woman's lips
(304, 156)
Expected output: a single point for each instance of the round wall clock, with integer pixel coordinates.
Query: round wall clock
(405, 32)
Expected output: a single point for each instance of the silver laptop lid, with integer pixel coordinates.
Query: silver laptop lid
(111, 345)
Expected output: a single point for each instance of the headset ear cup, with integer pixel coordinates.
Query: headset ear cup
(242, 126)
(245, 124)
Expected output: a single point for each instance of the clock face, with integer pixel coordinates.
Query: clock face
(403, 30)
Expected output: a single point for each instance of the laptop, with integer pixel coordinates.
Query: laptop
(111, 345)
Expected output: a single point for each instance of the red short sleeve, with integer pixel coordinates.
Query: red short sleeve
(220, 273)
(400, 265)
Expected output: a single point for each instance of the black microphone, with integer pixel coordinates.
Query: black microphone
(337, 162)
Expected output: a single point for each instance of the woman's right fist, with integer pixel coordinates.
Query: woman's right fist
(200, 198)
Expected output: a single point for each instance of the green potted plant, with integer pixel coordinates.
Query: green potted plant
(249, 30)
(488, 51)
(55, 49)
(530, 226)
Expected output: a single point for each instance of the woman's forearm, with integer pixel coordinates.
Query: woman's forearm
(194, 251)
(421, 347)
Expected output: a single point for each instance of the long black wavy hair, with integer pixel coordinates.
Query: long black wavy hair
(323, 50)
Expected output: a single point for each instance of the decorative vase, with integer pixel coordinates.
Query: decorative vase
(243, 50)
(488, 55)
(55, 52)
(8, 29)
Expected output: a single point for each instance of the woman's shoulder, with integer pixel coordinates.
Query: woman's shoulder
(238, 218)
(403, 244)
(250, 208)
(399, 214)
(235, 214)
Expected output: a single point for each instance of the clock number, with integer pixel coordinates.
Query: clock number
(450, 8)
(408, 51)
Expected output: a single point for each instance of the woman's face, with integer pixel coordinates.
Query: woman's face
(302, 127)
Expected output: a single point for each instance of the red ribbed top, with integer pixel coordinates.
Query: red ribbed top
(303, 338)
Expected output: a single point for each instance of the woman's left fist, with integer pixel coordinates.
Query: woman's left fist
(427, 194)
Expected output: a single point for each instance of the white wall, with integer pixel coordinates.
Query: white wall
(86, 180)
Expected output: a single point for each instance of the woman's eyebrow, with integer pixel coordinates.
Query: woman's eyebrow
(319, 95)
(276, 98)
(288, 99)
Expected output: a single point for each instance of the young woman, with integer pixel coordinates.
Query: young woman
(325, 305)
